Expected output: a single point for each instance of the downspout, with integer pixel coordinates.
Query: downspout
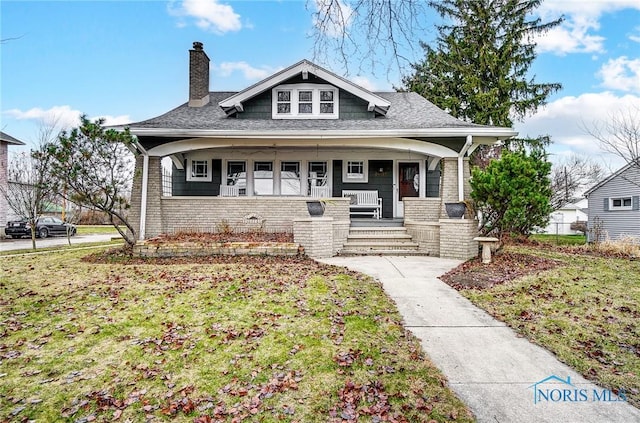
(143, 200)
(463, 151)
(145, 185)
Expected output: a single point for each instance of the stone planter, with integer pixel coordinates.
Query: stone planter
(315, 208)
(455, 210)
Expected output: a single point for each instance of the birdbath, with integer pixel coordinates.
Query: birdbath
(487, 243)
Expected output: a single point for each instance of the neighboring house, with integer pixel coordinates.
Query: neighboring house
(259, 154)
(614, 205)
(561, 219)
(5, 141)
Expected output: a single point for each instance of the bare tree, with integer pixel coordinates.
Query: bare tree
(571, 176)
(29, 187)
(619, 134)
(93, 165)
(366, 30)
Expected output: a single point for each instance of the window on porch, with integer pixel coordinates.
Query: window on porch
(263, 178)
(290, 178)
(237, 175)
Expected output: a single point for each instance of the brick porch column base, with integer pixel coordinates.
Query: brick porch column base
(456, 238)
(315, 235)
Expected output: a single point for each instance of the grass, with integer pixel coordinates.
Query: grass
(261, 339)
(97, 230)
(586, 312)
(560, 239)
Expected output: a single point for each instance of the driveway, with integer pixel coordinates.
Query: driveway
(25, 243)
(491, 368)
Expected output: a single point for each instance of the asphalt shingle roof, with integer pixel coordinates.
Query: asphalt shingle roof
(408, 111)
(9, 139)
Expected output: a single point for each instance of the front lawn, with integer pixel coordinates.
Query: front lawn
(585, 309)
(97, 230)
(226, 339)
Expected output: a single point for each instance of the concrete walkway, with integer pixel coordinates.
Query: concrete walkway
(488, 365)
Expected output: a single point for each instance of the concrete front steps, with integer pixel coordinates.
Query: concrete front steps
(388, 241)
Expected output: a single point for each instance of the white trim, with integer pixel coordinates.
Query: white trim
(303, 67)
(488, 135)
(621, 207)
(188, 170)
(464, 149)
(294, 101)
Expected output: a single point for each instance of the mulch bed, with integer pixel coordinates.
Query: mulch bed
(204, 237)
(505, 266)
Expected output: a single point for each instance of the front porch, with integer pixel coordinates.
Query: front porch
(424, 217)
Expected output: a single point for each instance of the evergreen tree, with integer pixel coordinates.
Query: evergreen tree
(513, 193)
(478, 69)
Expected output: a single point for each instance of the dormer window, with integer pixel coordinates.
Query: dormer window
(305, 101)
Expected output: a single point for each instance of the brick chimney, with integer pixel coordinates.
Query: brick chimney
(198, 76)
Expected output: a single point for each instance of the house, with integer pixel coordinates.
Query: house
(256, 156)
(614, 205)
(5, 141)
(561, 220)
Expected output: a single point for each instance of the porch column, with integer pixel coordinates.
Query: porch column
(136, 196)
(153, 221)
(450, 188)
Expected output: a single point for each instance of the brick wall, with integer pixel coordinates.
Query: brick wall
(315, 235)
(421, 209)
(426, 235)
(207, 214)
(153, 225)
(456, 238)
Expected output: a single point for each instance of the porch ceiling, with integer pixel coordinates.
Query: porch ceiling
(436, 148)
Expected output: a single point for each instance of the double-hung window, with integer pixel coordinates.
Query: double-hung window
(263, 178)
(237, 175)
(305, 101)
(290, 178)
(620, 203)
(355, 171)
(199, 170)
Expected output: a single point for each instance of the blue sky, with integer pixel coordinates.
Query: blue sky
(127, 61)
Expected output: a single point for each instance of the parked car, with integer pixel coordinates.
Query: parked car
(45, 226)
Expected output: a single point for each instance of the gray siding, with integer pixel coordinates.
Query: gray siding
(352, 107)
(259, 107)
(616, 223)
(180, 185)
(383, 182)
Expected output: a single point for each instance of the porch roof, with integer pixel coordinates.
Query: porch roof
(409, 115)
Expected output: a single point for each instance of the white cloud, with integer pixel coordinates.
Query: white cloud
(576, 33)
(635, 36)
(209, 15)
(621, 74)
(249, 72)
(566, 120)
(364, 82)
(333, 17)
(63, 117)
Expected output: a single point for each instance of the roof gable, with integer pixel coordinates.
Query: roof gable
(612, 176)
(9, 139)
(233, 104)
